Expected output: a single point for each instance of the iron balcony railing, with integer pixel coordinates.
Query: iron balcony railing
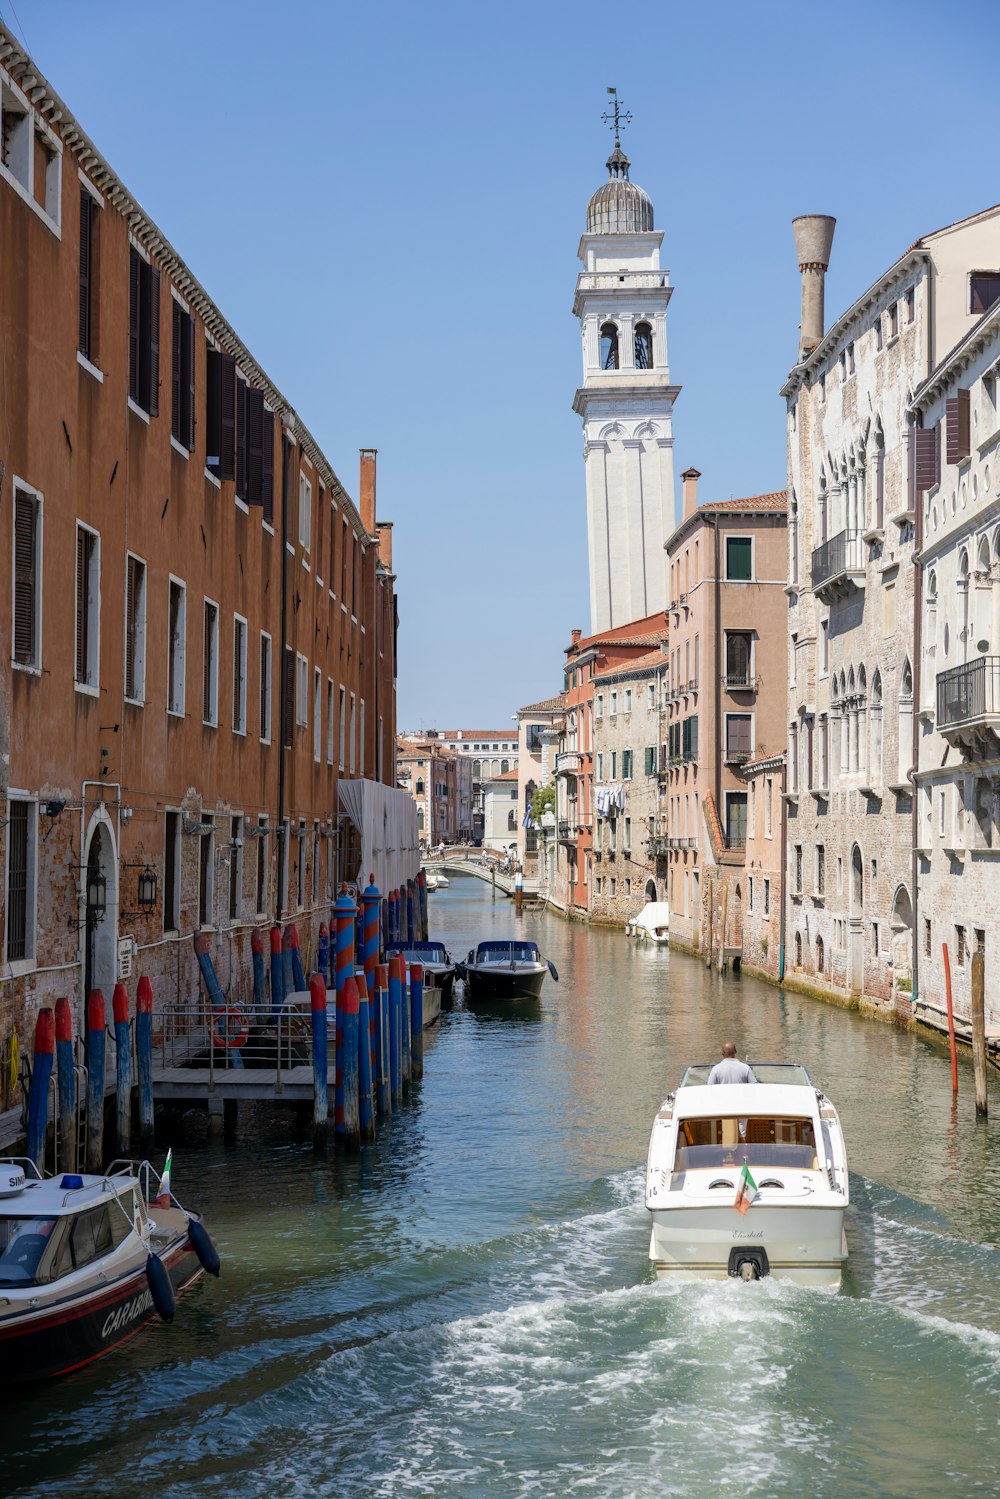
(735, 838)
(970, 692)
(844, 553)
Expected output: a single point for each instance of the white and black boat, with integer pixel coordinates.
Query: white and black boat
(86, 1261)
(748, 1179)
(505, 971)
(438, 966)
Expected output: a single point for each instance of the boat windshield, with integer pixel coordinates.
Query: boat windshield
(762, 1141)
(507, 952)
(791, 1074)
(434, 952)
(22, 1243)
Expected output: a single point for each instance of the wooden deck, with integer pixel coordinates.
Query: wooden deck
(290, 1085)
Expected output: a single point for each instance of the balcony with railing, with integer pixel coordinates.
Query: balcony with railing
(567, 829)
(968, 704)
(838, 566)
(569, 763)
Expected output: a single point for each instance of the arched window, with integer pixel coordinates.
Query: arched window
(512, 822)
(420, 788)
(862, 720)
(504, 767)
(477, 770)
(875, 725)
(819, 954)
(798, 949)
(643, 346)
(609, 346)
(420, 819)
(904, 746)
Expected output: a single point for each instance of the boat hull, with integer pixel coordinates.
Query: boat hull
(492, 984)
(432, 1004)
(805, 1244)
(42, 1342)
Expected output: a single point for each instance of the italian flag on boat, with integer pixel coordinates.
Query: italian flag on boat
(747, 1190)
(165, 1178)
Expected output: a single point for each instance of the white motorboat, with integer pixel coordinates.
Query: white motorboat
(437, 963)
(652, 923)
(748, 1179)
(441, 882)
(506, 971)
(86, 1261)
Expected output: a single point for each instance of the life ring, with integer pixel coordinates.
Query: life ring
(230, 1027)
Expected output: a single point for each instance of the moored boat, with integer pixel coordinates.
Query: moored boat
(438, 965)
(506, 971)
(86, 1261)
(748, 1179)
(652, 924)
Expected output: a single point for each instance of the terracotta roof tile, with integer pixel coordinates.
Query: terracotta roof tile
(776, 499)
(547, 705)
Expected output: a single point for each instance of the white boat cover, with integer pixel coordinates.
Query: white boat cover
(655, 914)
(387, 822)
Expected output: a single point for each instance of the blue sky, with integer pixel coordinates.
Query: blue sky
(386, 201)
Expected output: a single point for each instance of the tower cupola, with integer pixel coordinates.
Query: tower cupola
(619, 206)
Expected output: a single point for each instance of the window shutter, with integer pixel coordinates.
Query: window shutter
(694, 738)
(25, 535)
(957, 427)
(130, 594)
(924, 457)
(227, 417)
(86, 260)
(241, 439)
(176, 362)
(81, 605)
(213, 413)
(267, 466)
(189, 392)
(154, 342)
(255, 441)
(288, 698)
(134, 278)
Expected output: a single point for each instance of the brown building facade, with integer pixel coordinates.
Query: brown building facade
(201, 623)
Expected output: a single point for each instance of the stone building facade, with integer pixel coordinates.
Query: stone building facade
(957, 812)
(856, 464)
(535, 768)
(759, 912)
(629, 799)
(203, 621)
(439, 782)
(726, 695)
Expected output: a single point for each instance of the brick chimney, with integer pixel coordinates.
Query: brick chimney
(383, 530)
(689, 484)
(368, 456)
(576, 636)
(813, 241)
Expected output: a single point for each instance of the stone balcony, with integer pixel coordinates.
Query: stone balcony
(838, 566)
(569, 763)
(968, 706)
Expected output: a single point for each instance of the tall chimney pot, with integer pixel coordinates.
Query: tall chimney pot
(689, 487)
(383, 530)
(367, 507)
(813, 241)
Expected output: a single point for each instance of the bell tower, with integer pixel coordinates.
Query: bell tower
(626, 400)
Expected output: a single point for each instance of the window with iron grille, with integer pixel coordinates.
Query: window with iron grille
(239, 675)
(820, 869)
(135, 629)
(798, 869)
(265, 688)
(27, 641)
(144, 333)
(210, 665)
(960, 946)
(88, 619)
(171, 871)
(22, 838)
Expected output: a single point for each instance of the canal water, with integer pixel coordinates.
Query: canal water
(467, 1310)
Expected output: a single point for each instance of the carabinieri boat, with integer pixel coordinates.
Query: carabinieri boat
(748, 1179)
(86, 1261)
(506, 971)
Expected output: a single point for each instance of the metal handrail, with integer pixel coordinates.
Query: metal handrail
(185, 1034)
(968, 692)
(843, 553)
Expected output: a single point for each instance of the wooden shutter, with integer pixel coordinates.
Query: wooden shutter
(213, 397)
(86, 269)
(694, 738)
(153, 341)
(288, 698)
(255, 441)
(923, 458)
(957, 427)
(176, 363)
(25, 577)
(267, 466)
(227, 417)
(209, 660)
(241, 439)
(130, 601)
(81, 604)
(189, 387)
(134, 297)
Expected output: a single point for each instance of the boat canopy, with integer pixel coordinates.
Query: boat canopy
(512, 952)
(789, 1074)
(436, 951)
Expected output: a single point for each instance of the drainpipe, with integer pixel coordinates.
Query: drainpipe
(918, 581)
(716, 665)
(784, 875)
(287, 442)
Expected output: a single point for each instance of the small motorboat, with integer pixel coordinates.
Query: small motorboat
(430, 882)
(748, 1179)
(86, 1261)
(652, 923)
(505, 971)
(441, 882)
(437, 963)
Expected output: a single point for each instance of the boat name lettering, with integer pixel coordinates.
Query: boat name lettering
(747, 1233)
(127, 1312)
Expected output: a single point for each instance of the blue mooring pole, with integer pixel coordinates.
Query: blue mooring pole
(95, 1081)
(320, 1057)
(347, 1024)
(417, 1020)
(123, 1071)
(344, 970)
(366, 1110)
(66, 1084)
(144, 1060)
(383, 1081)
(38, 1093)
(395, 1029)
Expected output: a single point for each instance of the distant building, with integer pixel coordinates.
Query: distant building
(440, 783)
(488, 753)
(535, 768)
(761, 936)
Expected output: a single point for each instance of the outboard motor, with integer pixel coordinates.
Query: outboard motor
(748, 1264)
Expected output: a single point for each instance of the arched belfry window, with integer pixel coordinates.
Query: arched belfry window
(643, 346)
(609, 346)
(420, 787)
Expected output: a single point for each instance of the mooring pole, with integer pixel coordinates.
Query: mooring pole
(417, 1020)
(382, 1073)
(144, 1060)
(277, 974)
(395, 1029)
(320, 1059)
(38, 1093)
(979, 1030)
(344, 912)
(67, 1160)
(95, 1080)
(123, 1070)
(951, 1020)
(348, 1124)
(366, 1112)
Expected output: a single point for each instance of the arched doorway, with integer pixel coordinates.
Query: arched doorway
(650, 890)
(902, 949)
(856, 933)
(99, 910)
(738, 918)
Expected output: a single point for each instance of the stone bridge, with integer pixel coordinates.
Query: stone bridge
(481, 867)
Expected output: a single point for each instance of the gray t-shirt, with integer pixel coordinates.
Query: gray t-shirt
(731, 1070)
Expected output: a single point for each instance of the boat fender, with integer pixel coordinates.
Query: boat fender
(552, 970)
(201, 1242)
(160, 1288)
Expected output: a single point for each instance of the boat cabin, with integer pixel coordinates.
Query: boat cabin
(49, 1229)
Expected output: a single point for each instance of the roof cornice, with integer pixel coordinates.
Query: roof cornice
(61, 119)
(962, 355)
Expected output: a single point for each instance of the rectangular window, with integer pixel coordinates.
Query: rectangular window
(960, 946)
(182, 378)
(342, 726)
(614, 705)
(797, 886)
(206, 876)
(265, 689)
(239, 674)
(979, 934)
(300, 871)
(984, 290)
(176, 646)
(317, 714)
(22, 853)
(614, 764)
(27, 622)
(739, 737)
(315, 863)
(628, 700)
(254, 450)
(305, 513)
(894, 320)
(86, 338)
(235, 867)
(301, 691)
(879, 340)
(261, 881)
(820, 869)
(627, 845)
(927, 936)
(351, 764)
(739, 559)
(626, 765)
(220, 414)
(135, 629)
(600, 765)
(911, 304)
(344, 549)
(88, 607)
(767, 897)
(824, 647)
(171, 871)
(143, 333)
(650, 759)
(210, 665)
(736, 819)
(329, 721)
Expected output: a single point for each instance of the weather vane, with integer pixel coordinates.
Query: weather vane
(620, 118)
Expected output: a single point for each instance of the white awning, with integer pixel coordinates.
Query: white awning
(386, 819)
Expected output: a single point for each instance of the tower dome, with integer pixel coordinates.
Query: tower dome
(619, 206)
